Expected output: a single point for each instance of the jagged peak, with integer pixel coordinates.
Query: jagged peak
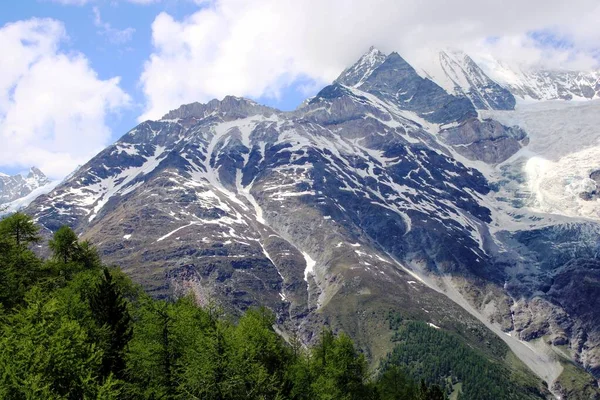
(35, 171)
(394, 57)
(362, 69)
(240, 106)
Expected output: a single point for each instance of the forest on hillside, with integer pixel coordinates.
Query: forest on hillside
(73, 328)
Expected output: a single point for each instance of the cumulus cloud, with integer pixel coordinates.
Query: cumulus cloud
(257, 47)
(53, 106)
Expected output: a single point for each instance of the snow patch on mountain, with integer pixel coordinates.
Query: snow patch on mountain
(310, 266)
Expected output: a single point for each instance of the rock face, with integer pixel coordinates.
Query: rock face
(15, 187)
(364, 200)
(394, 80)
(485, 140)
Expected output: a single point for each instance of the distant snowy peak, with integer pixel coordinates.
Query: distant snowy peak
(392, 79)
(459, 75)
(362, 69)
(15, 187)
(541, 84)
(453, 71)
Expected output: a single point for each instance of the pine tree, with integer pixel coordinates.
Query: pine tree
(111, 312)
(87, 255)
(64, 244)
(21, 228)
(19, 267)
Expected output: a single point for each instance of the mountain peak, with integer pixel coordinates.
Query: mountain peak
(236, 107)
(362, 69)
(538, 83)
(35, 172)
(36, 178)
(456, 72)
(16, 187)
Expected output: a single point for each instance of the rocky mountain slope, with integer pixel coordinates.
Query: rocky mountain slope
(385, 192)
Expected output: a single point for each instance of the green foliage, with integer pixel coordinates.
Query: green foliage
(19, 267)
(45, 354)
(64, 244)
(394, 384)
(443, 359)
(19, 228)
(87, 255)
(111, 313)
(339, 371)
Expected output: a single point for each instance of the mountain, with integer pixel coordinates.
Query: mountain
(385, 193)
(542, 84)
(458, 74)
(13, 188)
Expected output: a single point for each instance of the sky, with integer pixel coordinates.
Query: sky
(78, 74)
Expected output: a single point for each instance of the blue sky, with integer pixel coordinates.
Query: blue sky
(60, 102)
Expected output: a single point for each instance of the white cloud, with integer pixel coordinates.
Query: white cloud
(114, 35)
(257, 47)
(53, 106)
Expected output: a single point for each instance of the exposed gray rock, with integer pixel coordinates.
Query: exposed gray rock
(485, 140)
(397, 81)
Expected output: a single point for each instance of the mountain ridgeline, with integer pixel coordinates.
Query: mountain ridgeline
(16, 187)
(377, 196)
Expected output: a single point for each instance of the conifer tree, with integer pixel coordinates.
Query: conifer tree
(111, 312)
(20, 228)
(87, 255)
(64, 244)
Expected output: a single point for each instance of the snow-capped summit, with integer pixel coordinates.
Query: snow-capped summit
(356, 74)
(393, 78)
(529, 83)
(16, 186)
(488, 83)
(456, 72)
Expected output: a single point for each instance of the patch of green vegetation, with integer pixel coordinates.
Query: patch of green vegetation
(575, 383)
(445, 359)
